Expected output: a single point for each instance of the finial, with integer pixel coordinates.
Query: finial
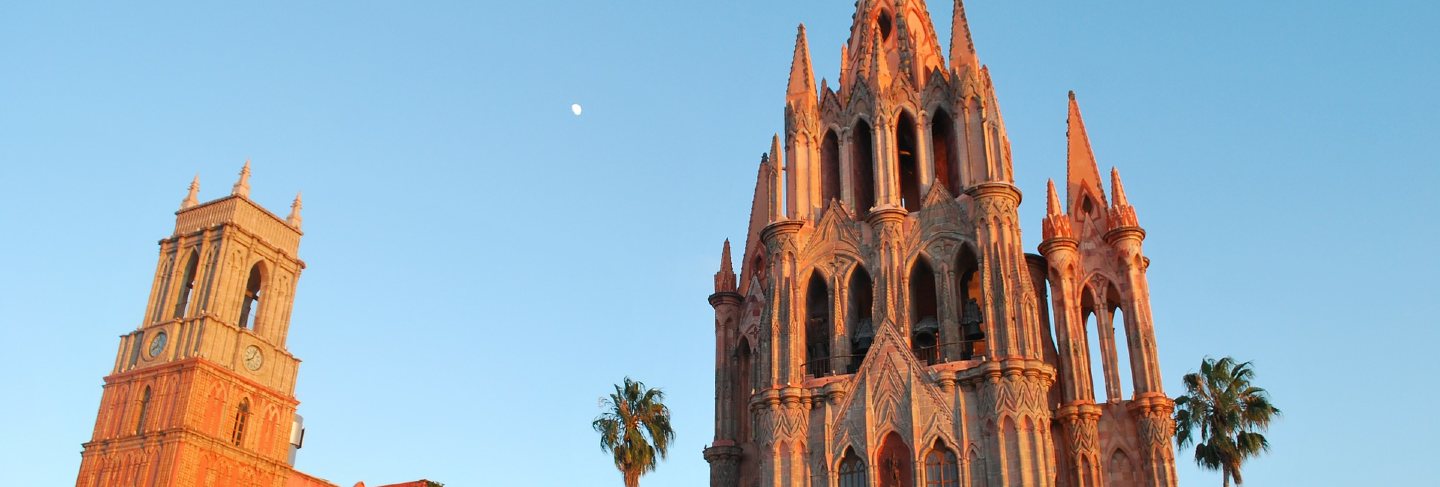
(242, 187)
(775, 153)
(1052, 199)
(725, 279)
(962, 46)
(800, 90)
(1117, 190)
(294, 218)
(193, 197)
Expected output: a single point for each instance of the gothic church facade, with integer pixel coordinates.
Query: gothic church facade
(887, 328)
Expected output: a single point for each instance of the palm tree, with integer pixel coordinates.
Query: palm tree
(635, 428)
(1229, 411)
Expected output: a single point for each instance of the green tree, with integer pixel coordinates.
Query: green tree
(635, 428)
(1229, 413)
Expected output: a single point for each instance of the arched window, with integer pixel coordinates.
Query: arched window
(1121, 473)
(972, 316)
(144, 409)
(905, 161)
(250, 305)
(924, 313)
(829, 168)
(817, 327)
(187, 283)
(242, 416)
(942, 148)
(861, 326)
(1122, 351)
(852, 470)
(862, 167)
(975, 141)
(942, 467)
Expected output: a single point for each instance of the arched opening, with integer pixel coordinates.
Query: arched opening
(861, 326)
(744, 386)
(942, 147)
(942, 467)
(829, 168)
(862, 167)
(978, 472)
(144, 410)
(972, 317)
(817, 327)
(1010, 435)
(909, 168)
(242, 416)
(187, 283)
(885, 25)
(1093, 343)
(852, 470)
(250, 305)
(924, 313)
(894, 463)
(1122, 351)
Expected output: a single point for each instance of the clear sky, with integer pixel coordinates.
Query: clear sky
(482, 264)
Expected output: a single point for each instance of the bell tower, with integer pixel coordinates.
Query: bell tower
(886, 326)
(203, 390)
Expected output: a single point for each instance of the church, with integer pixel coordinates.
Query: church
(202, 393)
(887, 327)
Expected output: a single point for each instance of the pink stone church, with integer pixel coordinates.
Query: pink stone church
(887, 327)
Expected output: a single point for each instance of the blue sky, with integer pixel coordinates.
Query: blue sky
(483, 264)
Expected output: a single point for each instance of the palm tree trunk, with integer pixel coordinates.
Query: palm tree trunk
(1225, 475)
(632, 478)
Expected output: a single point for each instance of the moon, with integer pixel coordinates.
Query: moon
(575, 108)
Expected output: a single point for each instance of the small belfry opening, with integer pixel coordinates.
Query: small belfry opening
(862, 167)
(242, 416)
(187, 283)
(144, 411)
(907, 165)
(1094, 344)
(884, 24)
(852, 470)
(972, 317)
(975, 141)
(829, 168)
(942, 148)
(1122, 345)
(924, 313)
(250, 304)
(861, 326)
(817, 327)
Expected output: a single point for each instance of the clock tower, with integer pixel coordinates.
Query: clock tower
(202, 392)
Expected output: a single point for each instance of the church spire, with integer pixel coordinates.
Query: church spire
(725, 279)
(1121, 213)
(1056, 224)
(1052, 200)
(962, 46)
(800, 92)
(294, 218)
(193, 197)
(242, 186)
(772, 170)
(1083, 176)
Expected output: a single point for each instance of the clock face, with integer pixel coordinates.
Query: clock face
(157, 344)
(253, 358)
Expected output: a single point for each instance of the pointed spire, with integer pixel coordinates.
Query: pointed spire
(1122, 215)
(725, 279)
(1052, 200)
(1056, 224)
(193, 197)
(801, 89)
(242, 187)
(962, 46)
(1117, 190)
(1082, 175)
(294, 218)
